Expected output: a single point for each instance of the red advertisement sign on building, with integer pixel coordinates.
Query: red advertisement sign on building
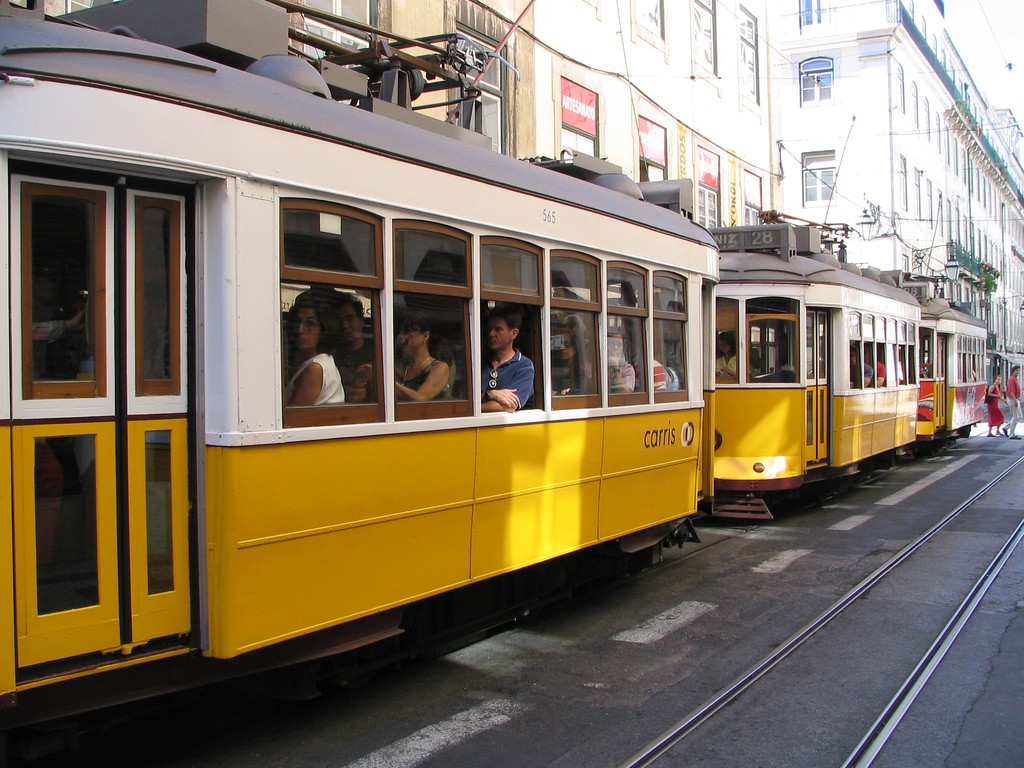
(579, 108)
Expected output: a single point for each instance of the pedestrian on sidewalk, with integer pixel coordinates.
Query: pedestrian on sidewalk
(1013, 403)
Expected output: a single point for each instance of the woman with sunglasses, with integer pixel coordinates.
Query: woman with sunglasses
(418, 376)
(313, 324)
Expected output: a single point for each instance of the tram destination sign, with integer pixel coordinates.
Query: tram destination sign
(777, 238)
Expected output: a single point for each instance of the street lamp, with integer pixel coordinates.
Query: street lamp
(952, 268)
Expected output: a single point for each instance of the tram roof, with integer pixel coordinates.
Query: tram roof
(822, 269)
(940, 309)
(49, 49)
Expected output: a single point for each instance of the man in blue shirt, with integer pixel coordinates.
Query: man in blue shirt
(507, 380)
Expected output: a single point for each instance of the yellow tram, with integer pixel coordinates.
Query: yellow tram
(815, 369)
(176, 514)
(952, 352)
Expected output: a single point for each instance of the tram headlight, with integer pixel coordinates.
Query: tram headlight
(758, 466)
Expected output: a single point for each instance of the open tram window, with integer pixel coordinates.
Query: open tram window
(575, 308)
(856, 358)
(431, 320)
(63, 244)
(772, 329)
(669, 337)
(510, 277)
(626, 292)
(727, 323)
(332, 276)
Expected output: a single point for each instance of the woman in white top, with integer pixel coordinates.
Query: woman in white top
(314, 327)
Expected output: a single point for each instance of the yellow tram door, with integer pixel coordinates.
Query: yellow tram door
(99, 436)
(941, 411)
(816, 393)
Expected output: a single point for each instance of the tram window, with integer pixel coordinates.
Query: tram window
(573, 350)
(510, 274)
(430, 351)
(626, 293)
(856, 366)
(431, 319)
(869, 364)
(157, 291)
(331, 281)
(772, 326)
(925, 352)
(63, 239)
(669, 337)
(65, 500)
(727, 315)
(330, 238)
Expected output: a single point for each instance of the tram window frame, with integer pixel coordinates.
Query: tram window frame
(926, 351)
(367, 284)
(524, 293)
(727, 321)
(770, 344)
(667, 314)
(458, 291)
(567, 302)
(171, 383)
(93, 310)
(856, 355)
(627, 317)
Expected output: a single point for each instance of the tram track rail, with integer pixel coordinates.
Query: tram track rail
(878, 734)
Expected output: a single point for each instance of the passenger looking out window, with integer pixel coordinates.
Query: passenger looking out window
(313, 326)
(355, 354)
(621, 373)
(507, 381)
(419, 375)
(725, 357)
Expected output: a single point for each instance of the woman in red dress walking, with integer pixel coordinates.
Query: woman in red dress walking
(992, 397)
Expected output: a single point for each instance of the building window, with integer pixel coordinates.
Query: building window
(918, 177)
(709, 171)
(931, 201)
(901, 182)
(752, 204)
(901, 95)
(913, 105)
(816, 81)
(653, 154)
(704, 47)
(356, 10)
(927, 112)
(819, 176)
(492, 97)
(750, 84)
(810, 12)
(579, 118)
(650, 15)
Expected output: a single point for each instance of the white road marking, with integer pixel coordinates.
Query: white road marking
(839, 506)
(421, 746)
(781, 561)
(850, 523)
(666, 623)
(900, 496)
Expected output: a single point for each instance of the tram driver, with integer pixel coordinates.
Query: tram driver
(507, 379)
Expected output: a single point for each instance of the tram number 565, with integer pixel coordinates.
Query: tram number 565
(548, 216)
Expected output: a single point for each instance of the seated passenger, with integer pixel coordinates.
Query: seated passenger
(621, 374)
(507, 379)
(313, 323)
(725, 359)
(355, 355)
(418, 375)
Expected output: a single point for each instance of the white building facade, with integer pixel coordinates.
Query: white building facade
(883, 128)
